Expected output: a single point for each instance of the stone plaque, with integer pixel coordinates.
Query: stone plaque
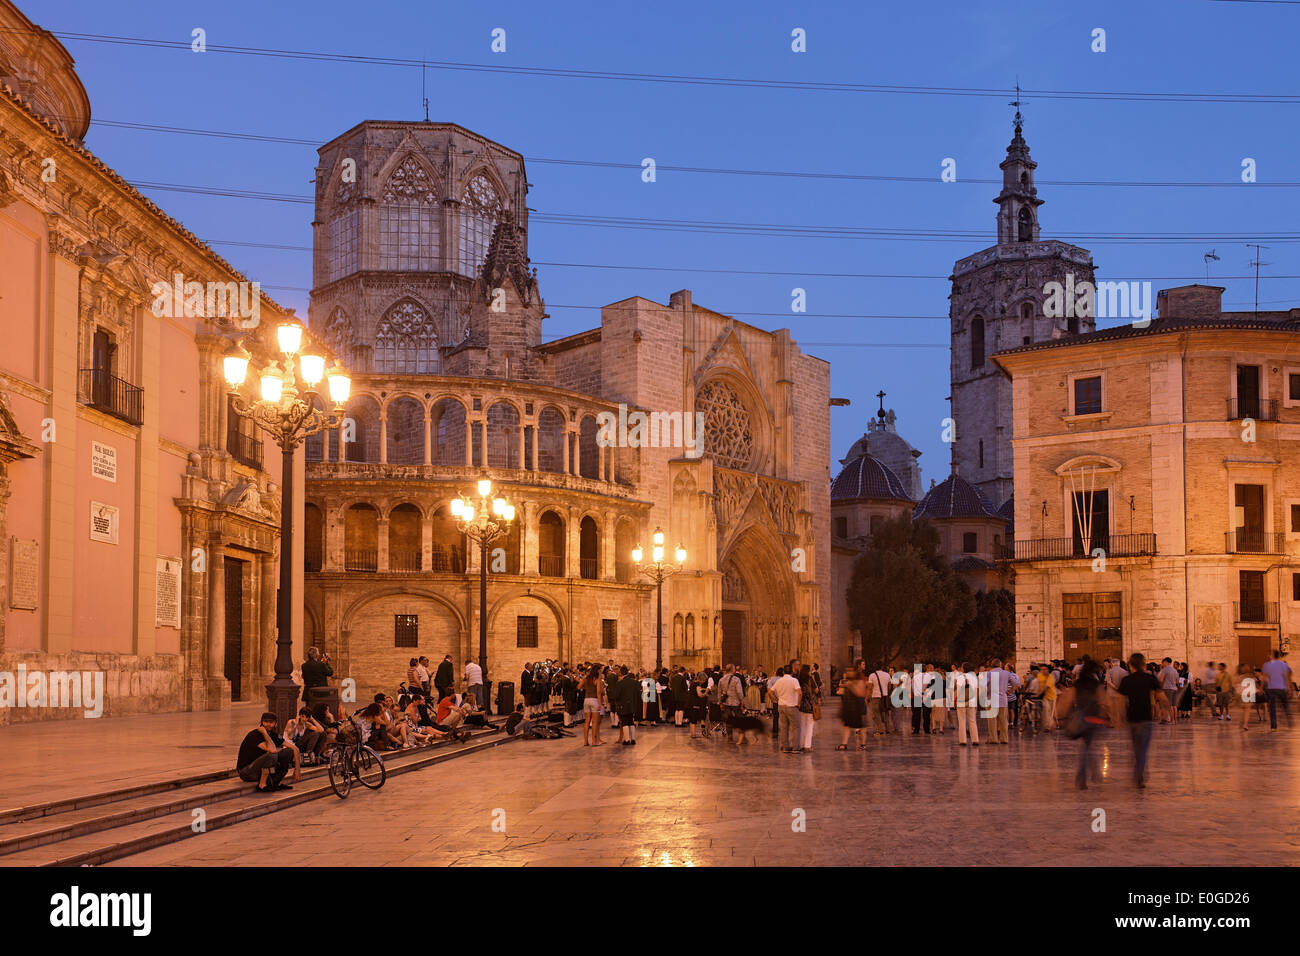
(167, 591)
(103, 523)
(1209, 625)
(103, 461)
(24, 574)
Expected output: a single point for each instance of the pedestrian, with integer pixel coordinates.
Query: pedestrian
(882, 712)
(1168, 677)
(808, 709)
(625, 700)
(732, 693)
(964, 698)
(786, 694)
(937, 695)
(1277, 678)
(1086, 720)
(920, 713)
(1001, 684)
(445, 678)
(1047, 688)
(1140, 688)
(699, 710)
(593, 698)
(853, 708)
(474, 683)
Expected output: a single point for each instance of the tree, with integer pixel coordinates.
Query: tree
(991, 632)
(904, 598)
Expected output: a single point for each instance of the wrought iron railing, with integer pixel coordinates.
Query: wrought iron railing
(110, 394)
(1254, 612)
(246, 449)
(550, 565)
(587, 568)
(360, 559)
(1260, 409)
(1068, 549)
(1254, 542)
(404, 559)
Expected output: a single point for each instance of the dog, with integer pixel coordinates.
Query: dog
(744, 725)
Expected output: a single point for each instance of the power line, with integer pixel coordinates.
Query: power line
(709, 170)
(769, 230)
(685, 79)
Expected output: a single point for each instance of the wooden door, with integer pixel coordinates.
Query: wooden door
(234, 625)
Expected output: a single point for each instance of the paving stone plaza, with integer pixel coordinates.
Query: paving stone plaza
(673, 801)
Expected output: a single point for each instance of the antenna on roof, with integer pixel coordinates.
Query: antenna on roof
(423, 95)
(1256, 263)
(1207, 257)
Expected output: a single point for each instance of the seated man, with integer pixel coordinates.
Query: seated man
(517, 723)
(306, 737)
(263, 758)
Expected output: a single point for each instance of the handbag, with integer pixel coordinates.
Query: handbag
(816, 708)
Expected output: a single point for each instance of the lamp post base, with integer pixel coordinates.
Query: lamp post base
(282, 699)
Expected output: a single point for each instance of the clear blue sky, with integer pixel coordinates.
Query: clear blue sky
(1178, 46)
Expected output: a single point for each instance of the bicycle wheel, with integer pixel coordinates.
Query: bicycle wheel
(340, 772)
(369, 768)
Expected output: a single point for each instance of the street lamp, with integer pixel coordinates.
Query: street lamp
(657, 571)
(289, 414)
(484, 521)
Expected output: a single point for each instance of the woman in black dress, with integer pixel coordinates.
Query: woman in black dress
(699, 708)
(526, 689)
(853, 707)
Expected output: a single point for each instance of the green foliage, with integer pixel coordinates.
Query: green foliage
(904, 598)
(991, 632)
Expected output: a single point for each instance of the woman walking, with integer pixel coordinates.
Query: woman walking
(593, 699)
(853, 707)
(1087, 721)
(699, 705)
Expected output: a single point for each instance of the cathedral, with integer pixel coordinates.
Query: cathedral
(422, 286)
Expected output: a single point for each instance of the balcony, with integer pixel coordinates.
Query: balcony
(444, 559)
(245, 449)
(1259, 409)
(587, 568)
(360, 559)
(1254, 542)
(550, 565)
(1255, 612)
(404, 559)
(112, 395)
(1071, 549)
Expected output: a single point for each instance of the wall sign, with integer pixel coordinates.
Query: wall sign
(24, 574)
(103, 461)
(103, 523)
(167, 591)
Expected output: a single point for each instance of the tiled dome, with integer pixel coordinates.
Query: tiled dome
(867, 477)
(955, 497)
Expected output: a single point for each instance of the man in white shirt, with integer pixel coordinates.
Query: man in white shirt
(474, 683)
(999, 682)
(1168, 678)
(878, 685)
(785, 689)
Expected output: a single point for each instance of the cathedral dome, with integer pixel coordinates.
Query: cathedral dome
(955, 497)
(867, 477)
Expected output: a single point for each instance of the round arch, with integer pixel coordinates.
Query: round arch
(349, 615)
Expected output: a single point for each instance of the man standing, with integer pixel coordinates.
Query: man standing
(786, 691)
(474, 683)
(1169, 681)
(1115, 673)
(625, 699)
(1000, 682)
(1137, 689)
(677, 684)
(920, 712)
(316, 672)
(732, 694)
(445, 678)
(1277, 674)
(966, 700)
(422, 675)
(881, 707)
(771, 698)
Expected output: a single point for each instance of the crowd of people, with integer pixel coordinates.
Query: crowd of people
(735, 703)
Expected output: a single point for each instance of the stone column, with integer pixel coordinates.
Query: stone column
(573, 544)
(608, 556)
(381, 543)
(267, 585)
(566, 433)
(428, 437)
(332, 559)
(383, 435)
(469, 441)
(218, 688)
(521, 446)
(577, 453)
(426, 539)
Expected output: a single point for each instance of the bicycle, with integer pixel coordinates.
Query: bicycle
(350, 760)
(1031, 715)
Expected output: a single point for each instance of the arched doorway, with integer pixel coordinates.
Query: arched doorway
(758, 602)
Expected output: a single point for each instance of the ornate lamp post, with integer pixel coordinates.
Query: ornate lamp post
(484, 521)
(657, 571)
(289, 413)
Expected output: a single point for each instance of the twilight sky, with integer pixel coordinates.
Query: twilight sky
(881, 319)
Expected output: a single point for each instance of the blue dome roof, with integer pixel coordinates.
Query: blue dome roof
(955, 497)
(867, 477)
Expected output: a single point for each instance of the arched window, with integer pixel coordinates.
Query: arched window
(448, 544)
(550, 545)
(361, 538)
(977, 343)
(314, 543)
(408, 220)
(588, 450)
(480, 209)
(550, 441)
(588, 538)
(624, 542)
(405, 418)
(503, 436)
(406, 342)
(342, 243)
(449, 433)
(404, 538)
(1026, 225)
(361, 441)
(728, 432)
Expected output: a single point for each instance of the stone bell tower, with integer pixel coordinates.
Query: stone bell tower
(996, 303)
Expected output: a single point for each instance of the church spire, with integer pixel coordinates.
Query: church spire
(1018, 202)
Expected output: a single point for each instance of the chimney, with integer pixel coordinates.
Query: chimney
(1190, 302)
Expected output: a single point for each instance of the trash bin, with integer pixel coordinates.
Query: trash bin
(506, 697)
(327, 695)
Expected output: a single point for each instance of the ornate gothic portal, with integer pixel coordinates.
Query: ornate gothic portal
(759, 627)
